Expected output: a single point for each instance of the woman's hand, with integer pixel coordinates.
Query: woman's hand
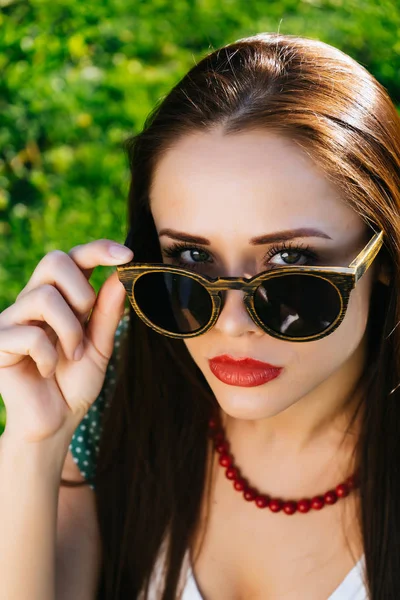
(52, 360)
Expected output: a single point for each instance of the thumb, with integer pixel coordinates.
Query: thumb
(106, 315)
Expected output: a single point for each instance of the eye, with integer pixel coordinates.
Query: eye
(189, 257)
(289, 255)
(194, 254)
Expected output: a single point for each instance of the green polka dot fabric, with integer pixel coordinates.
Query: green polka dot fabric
(84, 445)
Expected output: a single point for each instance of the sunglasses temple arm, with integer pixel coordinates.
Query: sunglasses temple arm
(364, 260)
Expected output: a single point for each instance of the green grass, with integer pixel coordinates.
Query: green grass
(79, 77)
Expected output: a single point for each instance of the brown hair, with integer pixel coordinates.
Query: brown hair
(153, 450)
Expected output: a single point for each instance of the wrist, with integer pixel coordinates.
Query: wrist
(45, 459)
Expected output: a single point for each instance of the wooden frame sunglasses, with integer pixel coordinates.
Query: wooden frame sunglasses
(333, 284)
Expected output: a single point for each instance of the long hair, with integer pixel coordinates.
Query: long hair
(151, 472)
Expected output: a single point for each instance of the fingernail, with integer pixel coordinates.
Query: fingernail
(121, 252)
(78, 352)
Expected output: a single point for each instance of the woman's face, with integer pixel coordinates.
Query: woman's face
(228, 190)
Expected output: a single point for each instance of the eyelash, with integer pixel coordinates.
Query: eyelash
(176, 250)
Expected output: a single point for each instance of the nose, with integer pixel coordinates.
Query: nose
(234, 320)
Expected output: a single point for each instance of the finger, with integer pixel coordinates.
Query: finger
(25, 340)
(59, 270)
(88, 256)
(46, 304)
(106, 315)
(70, 272)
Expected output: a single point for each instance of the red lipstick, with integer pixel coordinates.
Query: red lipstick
(243, 372)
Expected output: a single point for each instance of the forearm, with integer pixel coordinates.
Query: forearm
(29, 485)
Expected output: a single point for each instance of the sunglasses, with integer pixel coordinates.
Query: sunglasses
(293, 303)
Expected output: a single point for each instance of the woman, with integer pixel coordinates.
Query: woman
(249, 440)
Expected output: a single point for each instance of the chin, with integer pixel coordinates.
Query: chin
(247, 403)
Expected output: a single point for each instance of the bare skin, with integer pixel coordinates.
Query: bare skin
(287, 435)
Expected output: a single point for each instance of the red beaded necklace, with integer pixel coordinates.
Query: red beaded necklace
(251, 494)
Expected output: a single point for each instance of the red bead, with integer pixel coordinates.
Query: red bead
(352, 481)
(317, 502)
(231, 473)
(342, 490)
(219, 438)
(249, 494)
(262, 501)
(289, 507)
(330, 497)
(222, 448)
(225, 460)
(303, 505)
(239, 485)
(275, 505)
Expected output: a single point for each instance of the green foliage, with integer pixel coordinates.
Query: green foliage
(79, 77)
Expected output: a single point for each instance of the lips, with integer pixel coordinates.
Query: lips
(243, 372)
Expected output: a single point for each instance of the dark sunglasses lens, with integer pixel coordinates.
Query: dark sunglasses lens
(297, 305)
(176, 303)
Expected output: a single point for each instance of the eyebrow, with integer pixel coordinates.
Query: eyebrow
(269, 238)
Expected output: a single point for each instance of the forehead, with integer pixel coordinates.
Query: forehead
(244, 185)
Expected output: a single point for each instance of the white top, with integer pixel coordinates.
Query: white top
(351, 588)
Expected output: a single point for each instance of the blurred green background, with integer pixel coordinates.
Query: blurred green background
(76, 78)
